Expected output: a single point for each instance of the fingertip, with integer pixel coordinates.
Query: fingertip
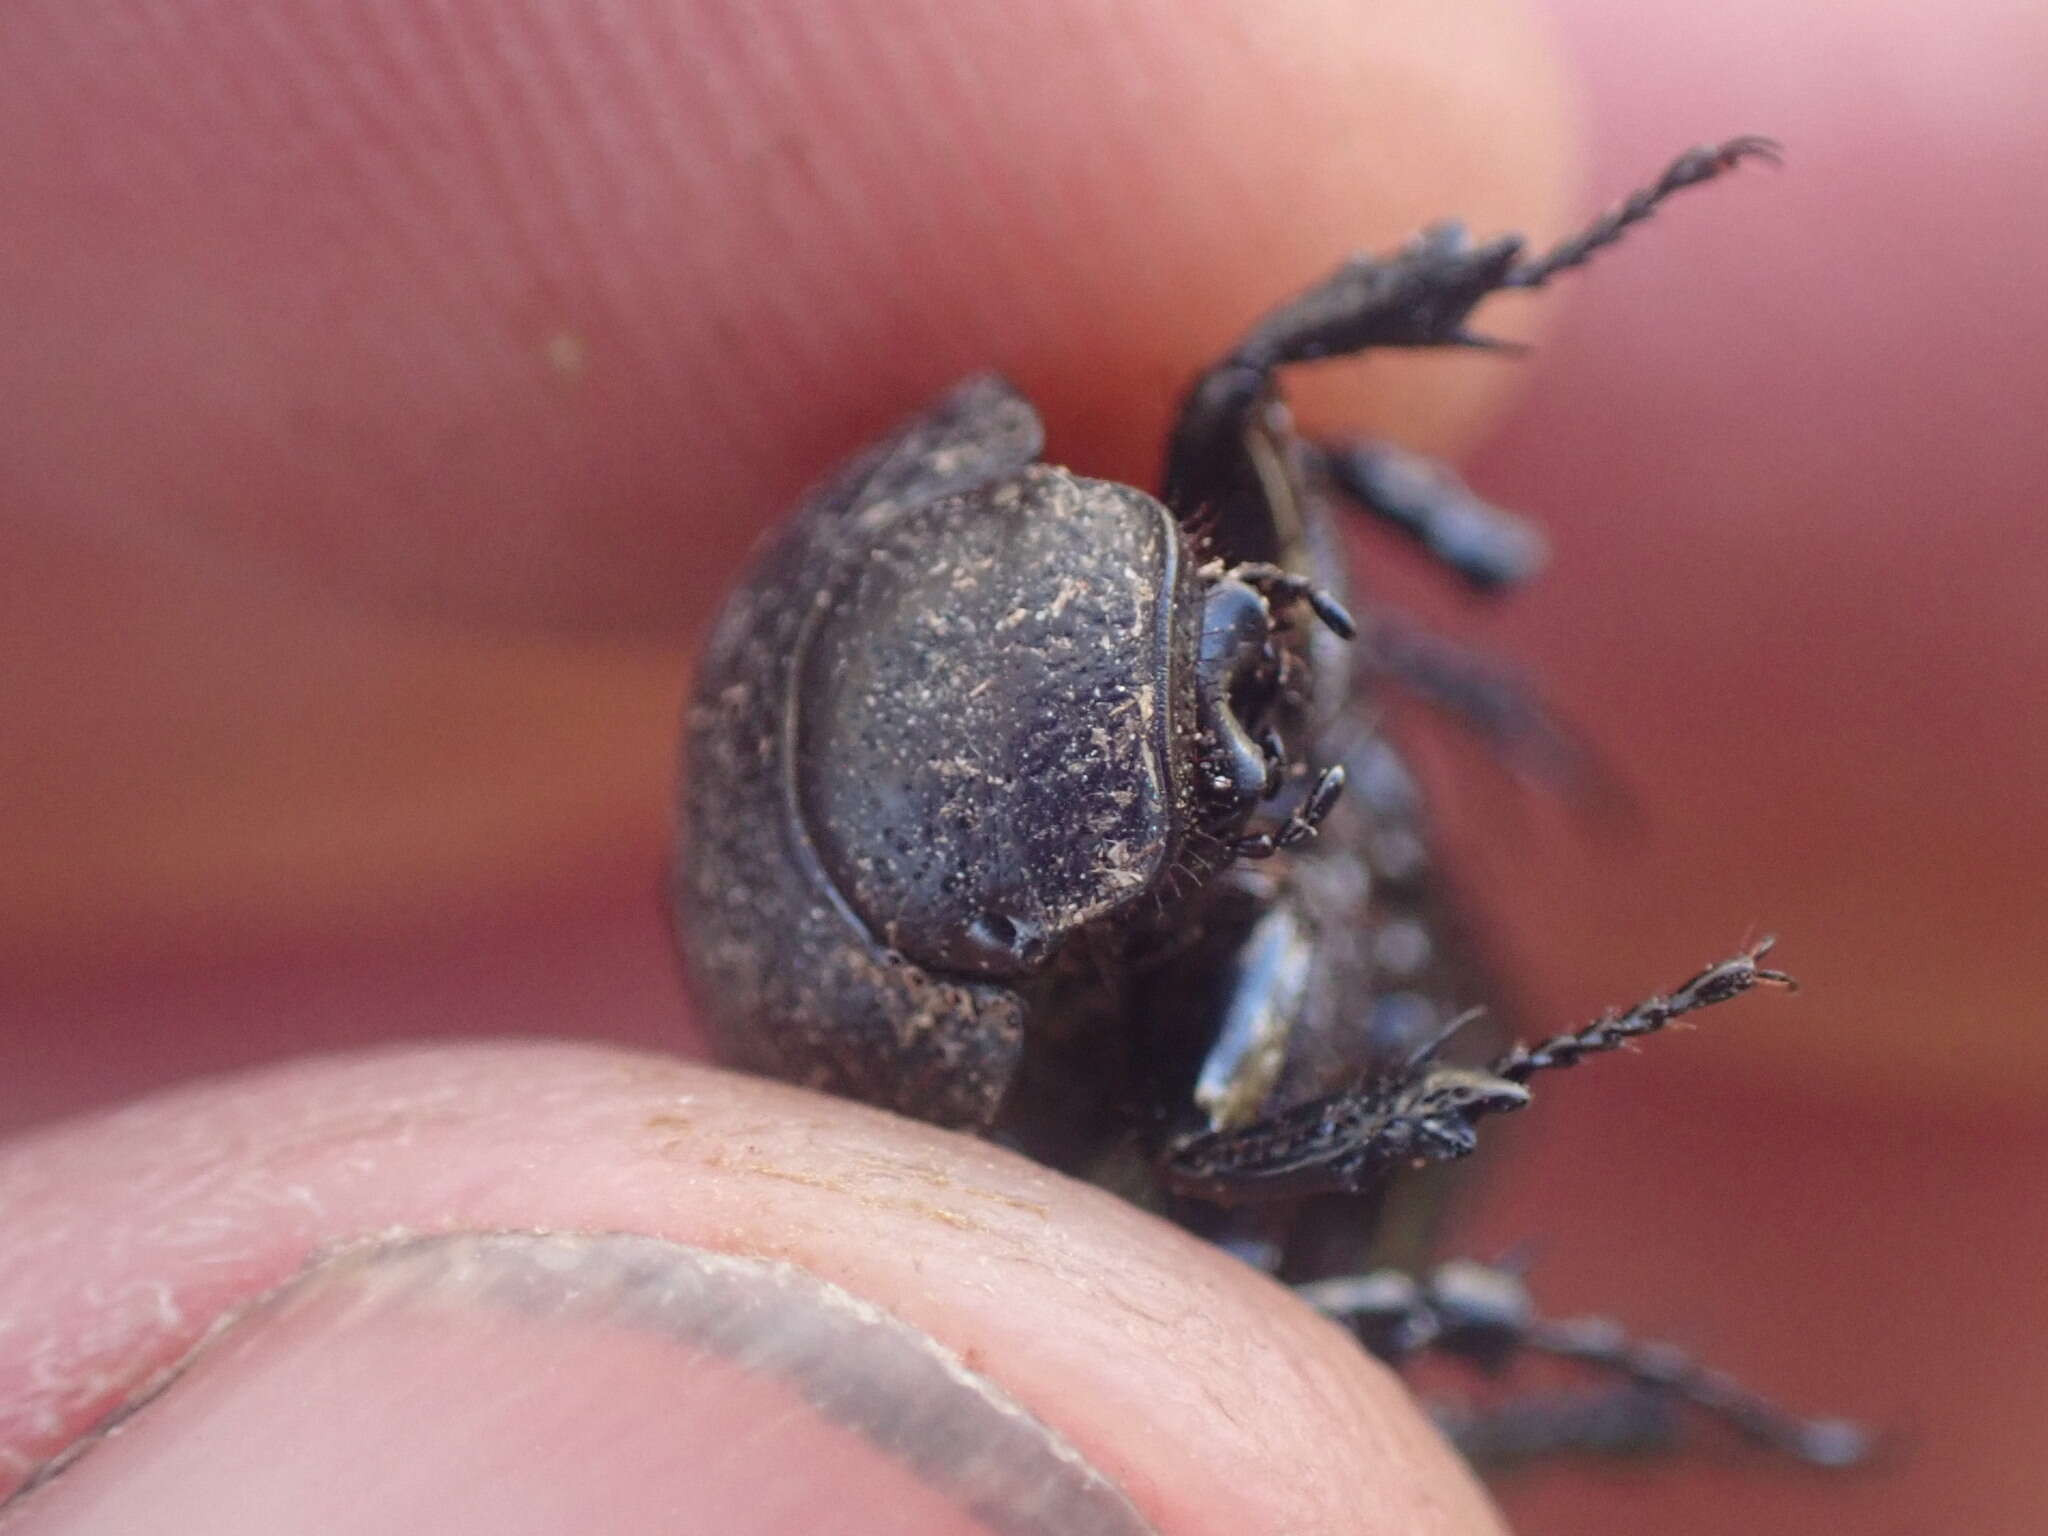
(532, 314)
(1206, 1396)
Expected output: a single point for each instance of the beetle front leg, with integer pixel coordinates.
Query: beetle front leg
(1424, 1112)
(1422, 296)
(1484, 1316)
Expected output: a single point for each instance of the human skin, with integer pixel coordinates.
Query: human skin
(1185, 1379)
(394, 392)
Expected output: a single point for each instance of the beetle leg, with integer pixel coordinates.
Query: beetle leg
(1716, 984)
(1483, 1316)
(1272, 581)
(1695, 166)
(1421, 296)
(1424, 1112)
(1488, 547)
(1624, 1421)
(1496, 705)
(1300, 826)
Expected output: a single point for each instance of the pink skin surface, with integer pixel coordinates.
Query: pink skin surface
(394, 389)
(1170, 1366)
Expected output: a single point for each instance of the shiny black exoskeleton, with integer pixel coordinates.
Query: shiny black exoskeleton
(1036, 806)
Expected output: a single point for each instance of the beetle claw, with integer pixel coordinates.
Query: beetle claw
(1276, 581)
(1300, 827)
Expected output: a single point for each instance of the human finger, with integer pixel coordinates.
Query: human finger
(502, 1277)
(395, 387)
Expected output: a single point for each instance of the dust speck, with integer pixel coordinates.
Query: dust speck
(566, 354)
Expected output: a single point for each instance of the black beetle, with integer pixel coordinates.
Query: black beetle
(1014, 805)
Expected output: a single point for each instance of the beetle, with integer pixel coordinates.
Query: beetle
(1044, 808)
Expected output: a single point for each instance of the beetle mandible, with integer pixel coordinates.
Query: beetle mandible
(1040, 807)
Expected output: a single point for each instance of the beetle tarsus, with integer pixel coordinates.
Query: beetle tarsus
(1716, 984)
(1427, 1112)
(1697, 165)
(1422, 295)
(1664, 1368)
(1497, 706)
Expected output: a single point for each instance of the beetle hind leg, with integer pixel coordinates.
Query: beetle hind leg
(1620, 1422)
(1484, 1317)
(1500, 708)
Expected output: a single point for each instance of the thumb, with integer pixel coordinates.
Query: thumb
(536, 1288)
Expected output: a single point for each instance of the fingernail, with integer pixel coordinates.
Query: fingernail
(523, 1383)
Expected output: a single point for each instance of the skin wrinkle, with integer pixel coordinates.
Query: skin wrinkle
(1179, 1315)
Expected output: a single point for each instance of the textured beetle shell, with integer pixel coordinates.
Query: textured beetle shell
(984, 713)
(946, 691)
